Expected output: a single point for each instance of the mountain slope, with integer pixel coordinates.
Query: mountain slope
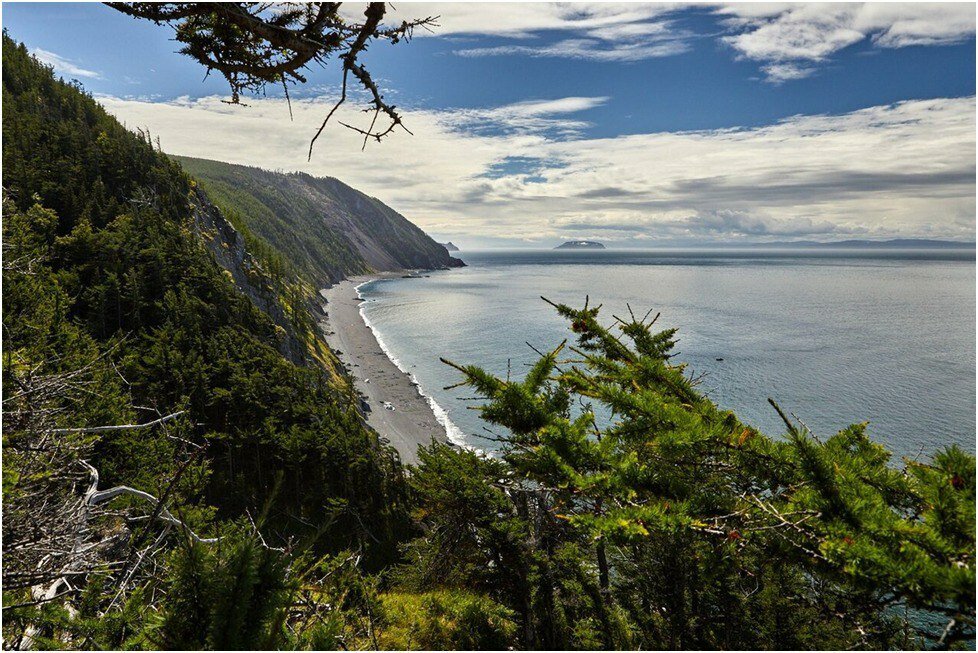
(119, 249)
(325, 228)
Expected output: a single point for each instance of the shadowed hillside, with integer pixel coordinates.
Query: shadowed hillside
(118, 270)
(325, 228)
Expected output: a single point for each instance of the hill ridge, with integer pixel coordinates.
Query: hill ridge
(325, 227)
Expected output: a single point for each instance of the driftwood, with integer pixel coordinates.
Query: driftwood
(118, 427)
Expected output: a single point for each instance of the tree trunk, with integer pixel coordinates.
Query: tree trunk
(604, 581)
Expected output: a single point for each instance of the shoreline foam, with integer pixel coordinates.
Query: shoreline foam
(399, 409)
(452, 431)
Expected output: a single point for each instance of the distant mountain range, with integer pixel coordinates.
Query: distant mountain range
(450, 246)
(896, 243)
(580, 244)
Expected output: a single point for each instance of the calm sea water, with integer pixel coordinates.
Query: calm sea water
(835, 337)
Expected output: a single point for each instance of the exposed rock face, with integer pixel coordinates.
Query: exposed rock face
(326, 228)
(580, 244)
(384, 238)
(228, 247)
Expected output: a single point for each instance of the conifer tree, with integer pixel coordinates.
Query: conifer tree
(631, 455)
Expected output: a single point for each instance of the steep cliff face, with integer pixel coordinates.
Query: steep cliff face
(246, 271)
(325, 228)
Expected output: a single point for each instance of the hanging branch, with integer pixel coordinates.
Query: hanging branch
(256, 44)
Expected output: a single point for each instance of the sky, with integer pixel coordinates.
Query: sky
(631, 124)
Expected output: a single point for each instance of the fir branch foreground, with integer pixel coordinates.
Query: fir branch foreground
(672, 477)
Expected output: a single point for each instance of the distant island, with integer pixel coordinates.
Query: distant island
(450, 246)
(580, 244)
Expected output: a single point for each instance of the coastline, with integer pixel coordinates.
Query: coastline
(416, 419)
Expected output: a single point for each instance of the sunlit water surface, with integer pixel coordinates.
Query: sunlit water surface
(835, 337)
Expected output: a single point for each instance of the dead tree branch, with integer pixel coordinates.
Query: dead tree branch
(119, 427)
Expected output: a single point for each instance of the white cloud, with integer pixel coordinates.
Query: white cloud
(548, 107)
(600, 31)
(63, 66)
(778, 73)
(788, 37)
(901, 25)
(550, 117)
(590, 49)
(523, 171)
(523, 19)
(726, 222)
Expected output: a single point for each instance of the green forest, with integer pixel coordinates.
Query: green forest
(172, 480)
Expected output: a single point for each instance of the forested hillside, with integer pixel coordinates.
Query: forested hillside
(174, 477)
(111, 296)
(325, 228)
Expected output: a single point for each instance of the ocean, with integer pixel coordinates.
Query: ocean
(834, 336)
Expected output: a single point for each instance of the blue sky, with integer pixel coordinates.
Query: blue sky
(535, 123)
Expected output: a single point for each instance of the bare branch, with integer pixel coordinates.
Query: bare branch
(165, 516)
(119, 427)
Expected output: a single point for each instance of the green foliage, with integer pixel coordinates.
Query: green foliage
(324, 228)
(89, 627)
(484, 531)
(706, 533)
(109, 290)
(233, 595)
(285, 228)
(444, 621)
(229, 596)
(119, 272)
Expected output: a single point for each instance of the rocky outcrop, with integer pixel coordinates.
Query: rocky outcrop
(229, 250)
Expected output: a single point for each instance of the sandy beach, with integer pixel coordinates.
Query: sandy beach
(411, 423)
